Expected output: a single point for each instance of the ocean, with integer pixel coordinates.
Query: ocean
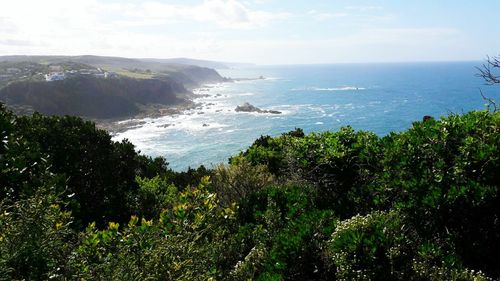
(376, 97)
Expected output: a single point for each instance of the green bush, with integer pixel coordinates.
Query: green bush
(339, 164)
(185, 243)
(153, 196)
(100, 173)
(444, 176)
(422, 204)
(235, 182)
(371, 247)
(285, 234)
(382, 246)
(35, 237)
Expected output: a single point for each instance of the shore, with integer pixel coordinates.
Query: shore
(118, 125)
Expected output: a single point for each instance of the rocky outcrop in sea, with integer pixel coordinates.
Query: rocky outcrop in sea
(247, 107)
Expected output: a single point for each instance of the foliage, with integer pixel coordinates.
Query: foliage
(366, 247)
(339, 164)
(383, 246)
(444, 176)
(235, 182)
(183, 244)
(422, 204)
(153, 195)
(440, 174)
(287, 235)
(35, 237)
(100, 173)
(190, 177)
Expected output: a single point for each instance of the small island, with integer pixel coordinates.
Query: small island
(247, 107)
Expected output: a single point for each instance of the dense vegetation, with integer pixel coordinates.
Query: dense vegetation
(348, 205)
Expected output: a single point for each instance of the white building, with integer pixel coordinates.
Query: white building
(54, 76)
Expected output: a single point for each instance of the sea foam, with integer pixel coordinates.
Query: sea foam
(330, 89)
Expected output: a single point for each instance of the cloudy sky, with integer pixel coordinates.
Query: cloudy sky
(256, 31)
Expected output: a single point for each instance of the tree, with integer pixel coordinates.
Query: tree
(490, 72)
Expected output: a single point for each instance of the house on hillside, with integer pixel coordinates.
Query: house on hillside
(55, 76)
(109, 74)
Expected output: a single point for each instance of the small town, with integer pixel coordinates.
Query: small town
(61, 75)
(39, 72)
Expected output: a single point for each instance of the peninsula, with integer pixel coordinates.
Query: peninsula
(99, 88)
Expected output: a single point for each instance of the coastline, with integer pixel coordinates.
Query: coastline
(115, 126)
(118, 125)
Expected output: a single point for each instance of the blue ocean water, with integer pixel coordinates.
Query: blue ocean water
(375, 97)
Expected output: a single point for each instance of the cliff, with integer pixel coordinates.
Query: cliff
(93, 97)
(135, 84)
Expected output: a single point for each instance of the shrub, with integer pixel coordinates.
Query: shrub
(185, 243)
(443, 176)
(372, 247)
(100, 172)
(35, 237)
(283, 233)
(154, 195)
(235, 182)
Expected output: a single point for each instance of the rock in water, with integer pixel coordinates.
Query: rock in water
(247, 107)
(272, 111)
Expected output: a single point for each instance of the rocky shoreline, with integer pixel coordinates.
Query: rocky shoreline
(188, 107)
(118, 125)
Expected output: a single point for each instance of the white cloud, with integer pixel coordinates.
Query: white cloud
(155, 29)
(99, 27)
(322, 16)
(364, 8)
(77, 17)
(229, 14)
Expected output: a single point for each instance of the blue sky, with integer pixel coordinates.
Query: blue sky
(256, 31)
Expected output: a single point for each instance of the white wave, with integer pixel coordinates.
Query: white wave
(333, 89)
(127, 121)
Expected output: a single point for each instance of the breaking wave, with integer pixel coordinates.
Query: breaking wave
(334, 89)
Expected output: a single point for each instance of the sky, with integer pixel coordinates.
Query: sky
(254, 31)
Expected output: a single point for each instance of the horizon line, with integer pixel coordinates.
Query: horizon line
(253, 63)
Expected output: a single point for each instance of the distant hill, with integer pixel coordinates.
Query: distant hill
(189, 75)
(201, 63)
